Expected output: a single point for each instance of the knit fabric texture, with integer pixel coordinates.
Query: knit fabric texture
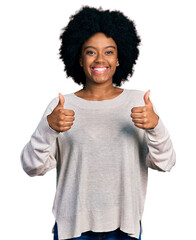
(102, 163)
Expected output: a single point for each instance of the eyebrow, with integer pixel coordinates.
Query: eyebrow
(95, 47)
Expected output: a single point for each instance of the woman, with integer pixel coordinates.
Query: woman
(101, 139)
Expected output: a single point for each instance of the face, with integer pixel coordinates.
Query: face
(99, 58)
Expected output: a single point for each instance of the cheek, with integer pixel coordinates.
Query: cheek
(86, 66)
(87, 62)
(114, 63)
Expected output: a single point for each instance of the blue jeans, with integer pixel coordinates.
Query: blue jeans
(113, 235)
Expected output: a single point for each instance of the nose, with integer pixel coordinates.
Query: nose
(99, 58)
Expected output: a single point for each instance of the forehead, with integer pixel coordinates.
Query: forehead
(99, 40)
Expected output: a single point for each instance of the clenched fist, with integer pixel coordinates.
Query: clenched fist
(61, 119)
(145, 117)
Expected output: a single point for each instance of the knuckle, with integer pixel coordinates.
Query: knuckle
(60, 123)
(61, 129)
(61, 117)
(145, 120)
(61, 111)
(68, 124)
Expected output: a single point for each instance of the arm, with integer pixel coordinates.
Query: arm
(38, 156)
(161, 155)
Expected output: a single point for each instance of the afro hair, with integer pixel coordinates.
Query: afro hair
(89, 21)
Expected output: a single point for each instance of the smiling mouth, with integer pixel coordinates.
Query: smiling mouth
(99, 70)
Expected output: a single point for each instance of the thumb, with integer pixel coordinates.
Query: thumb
(146, 98)
(61, 100)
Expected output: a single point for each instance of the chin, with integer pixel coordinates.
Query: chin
(101, 80)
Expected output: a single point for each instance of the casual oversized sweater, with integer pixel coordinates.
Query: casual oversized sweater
(102, 163)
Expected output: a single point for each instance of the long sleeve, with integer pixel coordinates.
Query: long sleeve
(101, 171)
(38, 156)
(161, 155)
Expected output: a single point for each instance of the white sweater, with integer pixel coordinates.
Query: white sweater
(102, 164)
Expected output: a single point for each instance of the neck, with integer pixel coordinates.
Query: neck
(99, 91)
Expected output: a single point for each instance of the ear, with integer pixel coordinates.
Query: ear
(117, 64)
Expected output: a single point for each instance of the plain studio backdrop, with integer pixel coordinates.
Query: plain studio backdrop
(32, 75)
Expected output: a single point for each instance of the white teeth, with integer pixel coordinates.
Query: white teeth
(99, 69)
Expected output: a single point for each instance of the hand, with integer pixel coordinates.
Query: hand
(145, 117)
(61, 119)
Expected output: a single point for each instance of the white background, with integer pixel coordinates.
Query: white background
(32, 75)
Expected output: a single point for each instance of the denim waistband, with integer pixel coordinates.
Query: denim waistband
(98, 235)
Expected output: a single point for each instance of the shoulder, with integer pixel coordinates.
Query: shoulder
(135, 96)
(135, 92)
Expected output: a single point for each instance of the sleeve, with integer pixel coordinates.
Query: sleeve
(38, 155)
(161, 155)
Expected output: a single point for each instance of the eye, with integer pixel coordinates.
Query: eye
(90, 52)
(109, 52)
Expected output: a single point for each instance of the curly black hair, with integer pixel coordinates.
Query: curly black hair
(84, 24)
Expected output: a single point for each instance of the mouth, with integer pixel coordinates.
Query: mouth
(99, 70)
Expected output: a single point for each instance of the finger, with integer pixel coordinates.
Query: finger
(69, 118)
(61, 100)
(137, 110)
(65, 118)
(142, 121)
(137, 115)
(147, 98)
(64, 124)
(63, 129)
(68, 112)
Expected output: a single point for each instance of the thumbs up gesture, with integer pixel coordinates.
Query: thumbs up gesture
(145, 117)
(61, 119)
